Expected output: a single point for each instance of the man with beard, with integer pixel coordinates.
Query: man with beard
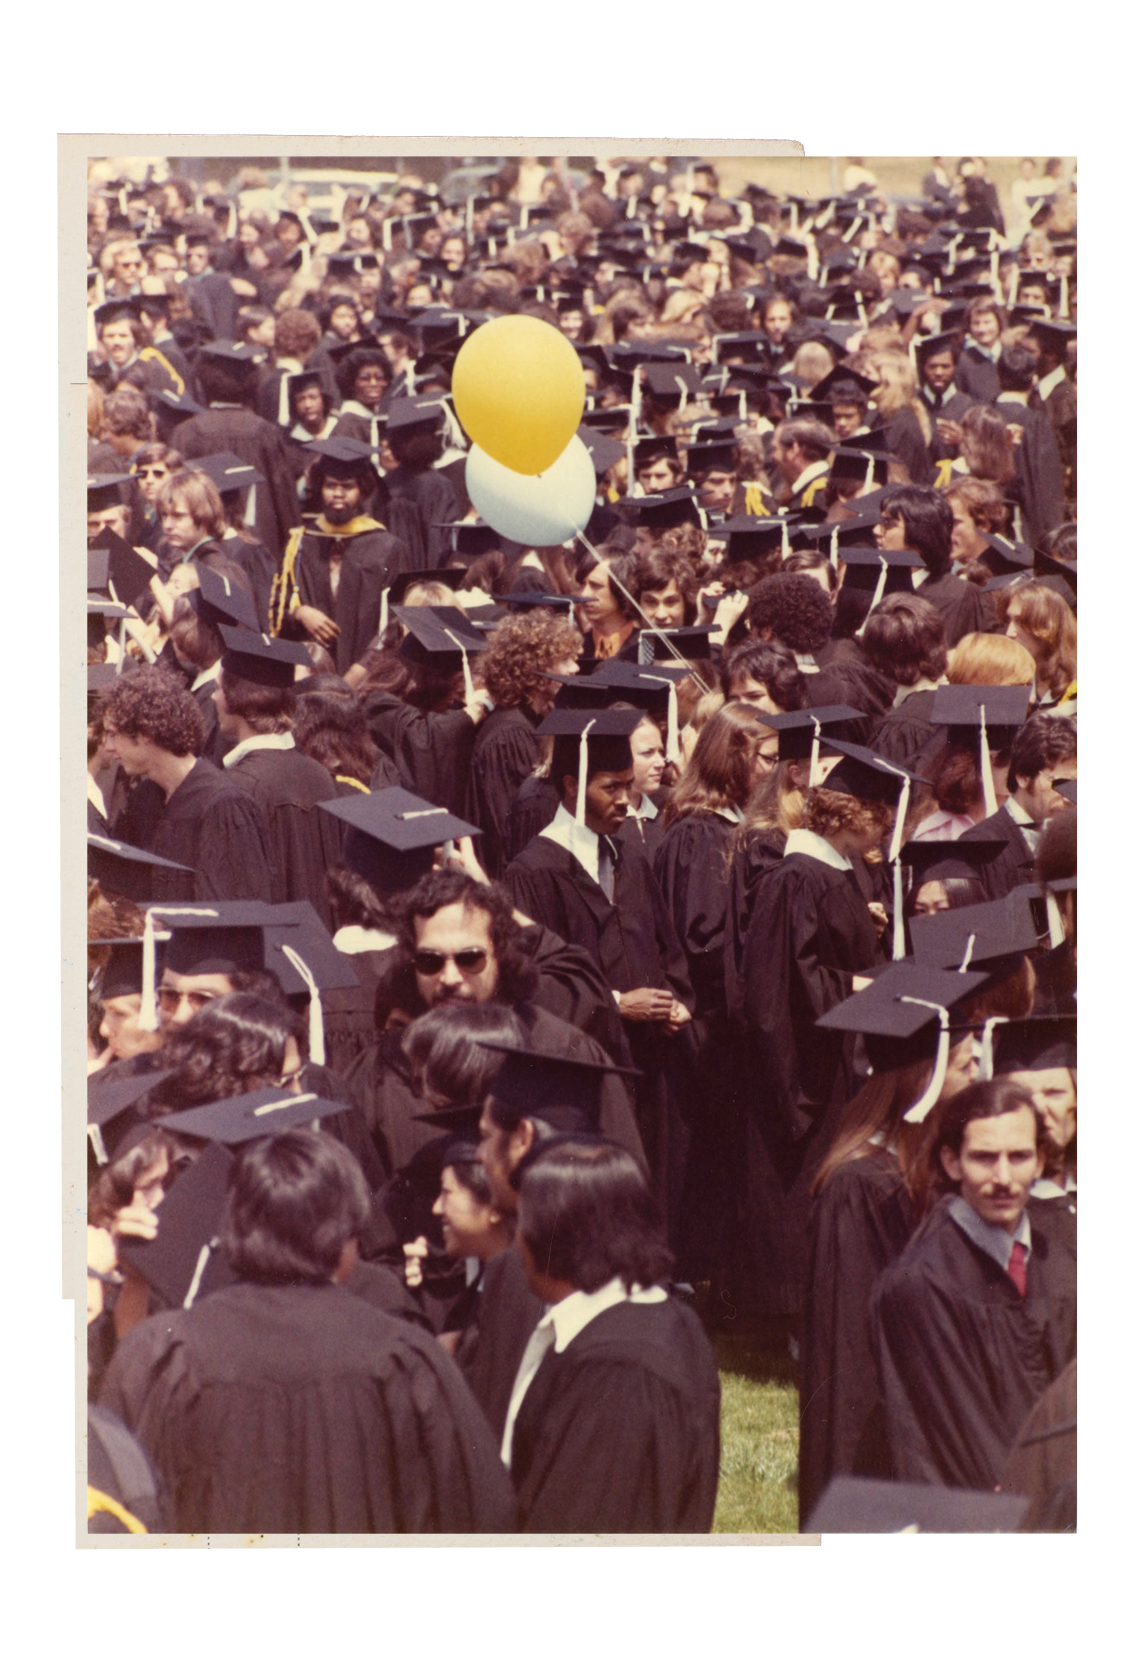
(337, 567)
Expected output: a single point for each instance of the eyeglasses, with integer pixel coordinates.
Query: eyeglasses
(157, 471)
(429, 962)
(169, 1000)
(290, 1079)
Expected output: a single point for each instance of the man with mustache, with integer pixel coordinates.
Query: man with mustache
(977, 1317)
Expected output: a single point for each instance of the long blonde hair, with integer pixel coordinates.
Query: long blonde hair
(898, 388)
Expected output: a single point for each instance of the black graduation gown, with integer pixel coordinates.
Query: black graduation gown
(305, 842)
(119, 1469)
(752, 856)
(951, 410)
(534, 807)
(620, 1433)
(437, 501)
(216, 745)
(504, 755)
(977, 375)
(905, 440)
(490, 1353)
(903, 735)
(211, 823)
(647, 832)
(962, 1357)
(433, 750)
(302, 1409)
(371, 561)
(259, 566)
(1015, 866)
(635, 944)
(964, 607)
(809, 933)
(861, 1221)
(233, 428)
(1039, 480)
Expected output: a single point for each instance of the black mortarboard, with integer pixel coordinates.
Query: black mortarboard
(1005, 558)
(1047, 568)
(123, 973)
(976, 936)
(472, 538)
(404, 582)
(236, 353)
(341, 450)
(944, 341)
(852, 533)
(125, 870)
(752, 345)
(414, 413)
(220, 602)
(115, 1116)
(896, 1012)
(297, 927)
(99, 564)
(246, 1117)
(519, 601)
(870, 467)
(797, 730)
(676, 379)
(666, 509)
(862, 1505)
(228, 472)
(810, 410)
(869, 439)
(964, 707)
(1043, 1042)
(588, 743)
(711, 455)
(392, 835)
(688, 642)
(439, 637)
(948, 859)
(173, 402)
(112, 310)
(653, 446)
(129, 572)
(1067, 786)
(603, 450)
(752, 535)
(269, 661)
(552, 1087)
(863, 568)
(184, 1262)
(863, 775)
(1058, 332)
(841, 385)
(218, 937)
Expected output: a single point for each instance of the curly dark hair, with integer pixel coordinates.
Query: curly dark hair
(153, 704)
(235, 1045)
(773, 666)
(1044, 740)
(587, 1215)
(827, 812)
(662, 566)
(517, 973)
(905, 641)
(522, 650)
(357, 359)
(330, 725)
(796, 609)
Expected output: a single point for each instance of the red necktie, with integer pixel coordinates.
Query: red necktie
(1017, 1268)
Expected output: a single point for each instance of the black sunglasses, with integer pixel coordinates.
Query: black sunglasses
(429, 962)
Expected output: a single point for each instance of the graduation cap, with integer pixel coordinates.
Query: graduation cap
(754, 345)
(862, 774)
(1043, 1042)
(650, 686)
(603, 743)
(678, 379)
(944, 341)
(1057, 333)
(810, 410)
(870, 468)
(235, 353)
(269, 661)
(177, 404)
(471, 538)
(184, 1261)
(246, 1117)
(340, 454)
(441, 638)
(1004, 557)
(1049, 568)
(122, 974)
(844, 387)
(520, 601)
(709, 455)
(882, 572)
(749, 536)
(228, 472)
(99, 562)
(686, 642)
(104, 491)
(653, 446)
(300, 952)
(554, 1088)
(114, 1112)
(219, 602)
(983, 716)
(983, 935)
(603, 450)
(125, 870)
(807, 733)
(410, 414)
(862, 1505)
(675, 508)
(392, 836)
(948, 859)
(222, 936)
(129, 572)
(110, 311)
(904, 1016)
(1068, 787)
(404, 582)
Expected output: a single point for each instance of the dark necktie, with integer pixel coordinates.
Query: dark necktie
(1017, 1268)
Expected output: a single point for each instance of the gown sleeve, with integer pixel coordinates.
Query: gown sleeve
(234, 857)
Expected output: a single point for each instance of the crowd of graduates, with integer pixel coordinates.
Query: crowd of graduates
(511, 966)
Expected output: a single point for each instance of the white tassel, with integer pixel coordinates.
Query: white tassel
(785, 542)
(284, 400)
(316, 1042)
(814, 760)
(1064, 296)
(583, 771)
(95, 1135)
(968, 953)
(1054, 921)
(987, 1050)
(200, 1269)
(934, 1088)
(877, 594)
(466, 673)
(384, 611)
(898, 948)
(683, 386)
(834, 550)
(148, 1015)
(990, 799)
(869, 477)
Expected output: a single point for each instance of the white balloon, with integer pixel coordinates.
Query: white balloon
(534, 509)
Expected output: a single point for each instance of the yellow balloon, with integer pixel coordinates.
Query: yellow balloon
(519, 391)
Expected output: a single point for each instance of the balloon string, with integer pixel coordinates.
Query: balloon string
(629, 597)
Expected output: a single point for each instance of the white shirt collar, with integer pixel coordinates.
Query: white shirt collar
(1019, 813)
(811, 473)
(921, 688)
(1010, 396)
(207, 676)
(581, 842)
(298, 432)
(1050, 382)
(357, 940)
(258, 743)
(996, 1241)
(801, 842)
(95, 797)
(646, 808)
(731, 813)
(572, 1314)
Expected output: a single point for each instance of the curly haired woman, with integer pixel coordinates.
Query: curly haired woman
(526, 652)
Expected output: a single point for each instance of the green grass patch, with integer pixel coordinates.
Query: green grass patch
(759, 1422)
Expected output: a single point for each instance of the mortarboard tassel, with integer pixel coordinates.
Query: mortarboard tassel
(877, 594)
(834, 549)
(384, 611)
(316, 1042)
(990, 798)
(1013, 285)
(869, 477)
(148, 1016)
(284, 401)
(1054, 920)
(987, 1052)
(201, 1261)
(583, 771)
(95, 1135)
(898, 947)
(466, 673)
(814, 758)
(968, 952)
(995, 274)
(785, 543)
(1063, 296)
(934, 1088)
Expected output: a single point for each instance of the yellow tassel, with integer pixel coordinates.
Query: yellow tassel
(154, 353)
(98, 1501)
(754, 498)
(943, 472)
(284, 584)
